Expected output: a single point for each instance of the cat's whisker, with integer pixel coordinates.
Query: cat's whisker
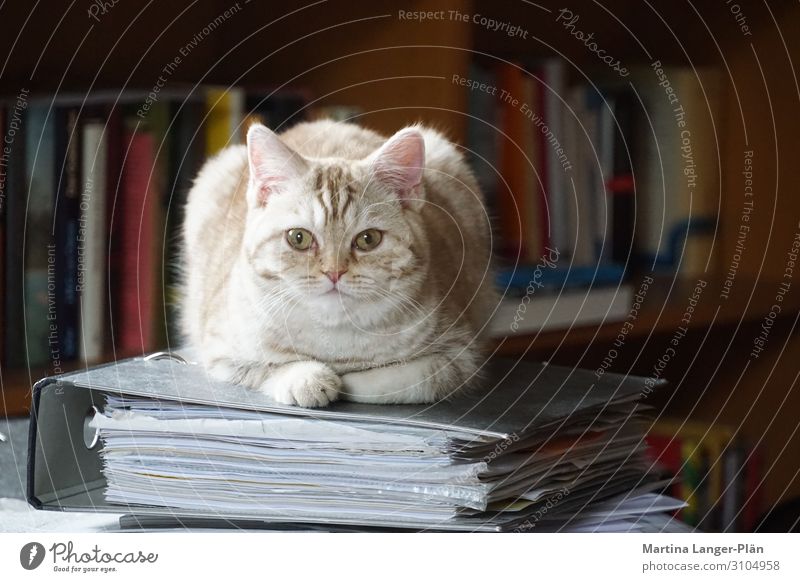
(401, 301)
(272, 303)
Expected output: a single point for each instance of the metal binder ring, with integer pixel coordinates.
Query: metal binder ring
(165, 356)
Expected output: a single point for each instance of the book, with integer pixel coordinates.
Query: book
(620, 182)
(547, 275)
(554, 73)
(136, 288)
(664, 452)
(224, 117)
(568, 309)
(579, 146)
(159, 124)
(690, 481)
(733, 497)
(66, 225)
(602, 109)
(482, 135)
(14, 202)
(753, 502)
(513, 224)
(552, 449)
(93, 275)
(533, 202)
(37, 239)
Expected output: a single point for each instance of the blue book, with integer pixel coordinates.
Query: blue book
(518, 279)
(66, 220)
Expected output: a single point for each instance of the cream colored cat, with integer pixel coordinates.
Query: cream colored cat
(329, 262)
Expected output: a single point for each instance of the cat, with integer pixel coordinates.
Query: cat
(330, 262)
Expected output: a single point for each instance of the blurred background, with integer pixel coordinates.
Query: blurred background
(639, 162)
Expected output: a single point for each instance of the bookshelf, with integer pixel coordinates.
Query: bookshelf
(399, 70)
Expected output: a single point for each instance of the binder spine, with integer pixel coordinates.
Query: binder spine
(33, 428)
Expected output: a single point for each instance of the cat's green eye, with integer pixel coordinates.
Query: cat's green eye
(368, 239)
(299, 238)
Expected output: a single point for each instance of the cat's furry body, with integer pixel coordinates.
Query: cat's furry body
(400, 323)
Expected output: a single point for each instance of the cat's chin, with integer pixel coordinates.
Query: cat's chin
(331, 299)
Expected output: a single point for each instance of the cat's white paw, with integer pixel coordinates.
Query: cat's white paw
(307, 384)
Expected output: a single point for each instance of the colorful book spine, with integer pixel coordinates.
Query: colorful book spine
(224, 117)
(733, 492)
(753, 506)
(554, 73)
(512, 187)
(160, 126)
(533, 207)
(482, 137)
(67, 218)
(620, 184)
(37, 240)
(690, 481)
(136, 277)
(92, 278)
(15, 201)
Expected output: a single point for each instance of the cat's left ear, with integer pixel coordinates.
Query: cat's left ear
(399, 163)
(272, 163)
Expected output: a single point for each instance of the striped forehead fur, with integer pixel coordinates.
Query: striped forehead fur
(334, 187)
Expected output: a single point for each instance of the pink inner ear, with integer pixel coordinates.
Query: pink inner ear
(400, 162)
(265, 186)
(271, 162)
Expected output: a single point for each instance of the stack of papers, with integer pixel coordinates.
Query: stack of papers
(539, 448)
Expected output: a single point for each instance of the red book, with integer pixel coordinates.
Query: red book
(753, 476)
(664, 450)
(136, 245)
(545, 212)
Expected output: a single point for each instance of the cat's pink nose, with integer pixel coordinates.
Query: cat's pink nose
(334, 276)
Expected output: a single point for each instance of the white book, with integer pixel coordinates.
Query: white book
(92, 262)
(569, 309)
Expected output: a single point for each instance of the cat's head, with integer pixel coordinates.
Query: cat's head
(335, 234)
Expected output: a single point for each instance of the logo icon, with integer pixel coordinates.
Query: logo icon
(31, 555)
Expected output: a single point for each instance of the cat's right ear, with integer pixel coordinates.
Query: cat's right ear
(272, 164)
